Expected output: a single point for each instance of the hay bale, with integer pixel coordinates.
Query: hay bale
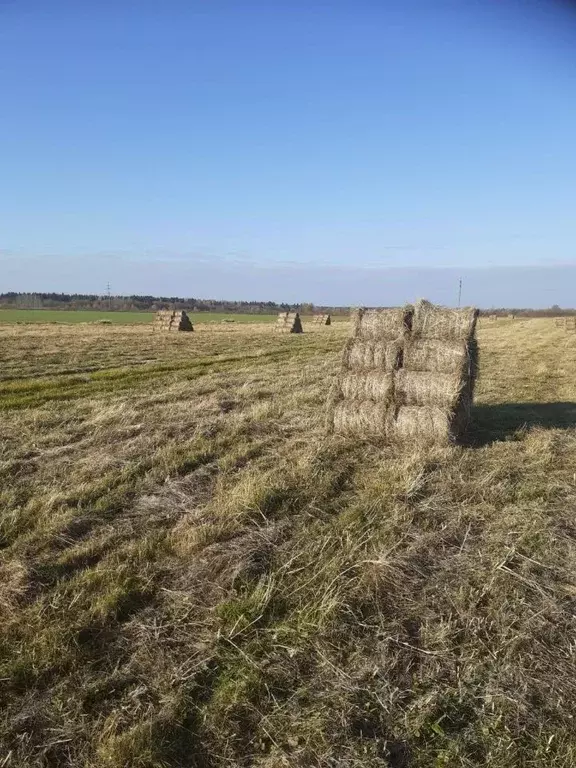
(289, 322)
(367, 419)
(367, 355)
(432, 322)
(324, 319)
(368, 385)
(381, 324)
(437, 355)
(421, 425)
(172, 320)
(560, 322)
(425, 388)
(407, 375)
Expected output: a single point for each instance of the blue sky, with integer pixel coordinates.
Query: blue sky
(342, 152)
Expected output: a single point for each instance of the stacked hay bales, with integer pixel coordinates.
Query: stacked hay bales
(570, 323)
(560, 322)
(171, 320)
(435, 386)
(322, 320)
(407, 375)
(289, 322)
(362, 398)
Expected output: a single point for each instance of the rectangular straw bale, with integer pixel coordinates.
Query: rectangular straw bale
(422, 425)
(364, 418)
(440, 356)
(442, 390)
(367, 355)
(432, 322)
(370, 385)
(381, 324)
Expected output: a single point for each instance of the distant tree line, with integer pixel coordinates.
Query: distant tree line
(75, 301)
(554, 311)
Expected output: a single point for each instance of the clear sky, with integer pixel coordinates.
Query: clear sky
(338, 152)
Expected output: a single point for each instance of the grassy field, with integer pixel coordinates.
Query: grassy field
(191, 575)
(116, 318)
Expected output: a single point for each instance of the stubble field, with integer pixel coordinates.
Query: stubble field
(191, 574)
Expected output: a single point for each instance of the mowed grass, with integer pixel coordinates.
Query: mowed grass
(43, 316)
(192, 575)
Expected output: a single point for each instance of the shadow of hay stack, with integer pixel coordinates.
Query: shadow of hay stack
(170, 320)
(493, 423)
(289, 322)
(407, 375)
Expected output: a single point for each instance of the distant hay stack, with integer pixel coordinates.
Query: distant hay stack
(322, 320)
(560, 322)
(407, 375)
(171, 320)
(570, 323)
(289, 322)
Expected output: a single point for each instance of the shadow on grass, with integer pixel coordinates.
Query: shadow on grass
(491, 423)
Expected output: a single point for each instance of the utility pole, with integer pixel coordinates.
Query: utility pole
(459, 292)
(109, 297)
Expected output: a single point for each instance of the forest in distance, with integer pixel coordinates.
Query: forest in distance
(136, 303)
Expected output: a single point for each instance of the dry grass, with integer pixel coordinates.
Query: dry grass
(191, 575)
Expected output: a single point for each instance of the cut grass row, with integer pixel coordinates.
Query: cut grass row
(35, 392)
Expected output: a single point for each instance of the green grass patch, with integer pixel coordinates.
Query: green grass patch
(9, 316)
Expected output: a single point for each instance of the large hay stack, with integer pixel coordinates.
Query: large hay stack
(407, 375)
(322, 320)
(568, 322)
(289, 322)
(171, 320)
